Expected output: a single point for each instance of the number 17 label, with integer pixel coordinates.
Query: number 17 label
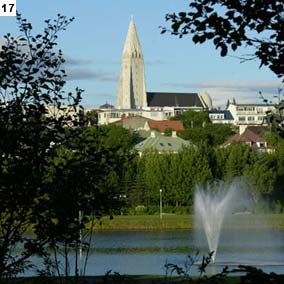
(8, 7)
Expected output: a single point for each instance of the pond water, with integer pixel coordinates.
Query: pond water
(148, 252)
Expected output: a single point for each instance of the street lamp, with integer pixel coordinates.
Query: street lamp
(161, 204)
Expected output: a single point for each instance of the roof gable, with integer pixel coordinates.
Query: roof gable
(162, 125)
(162, 143)
(252, 134)
(160, 99)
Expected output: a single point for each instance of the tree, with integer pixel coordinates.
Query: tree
(32, 123)
(193, 119)
(231, 24)
(239, 157)
(84, 178)
(151, 162)
(261, 175)
(211, 134)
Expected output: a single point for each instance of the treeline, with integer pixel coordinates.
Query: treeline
(179, 174)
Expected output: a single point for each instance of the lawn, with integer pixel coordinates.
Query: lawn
(183, 222)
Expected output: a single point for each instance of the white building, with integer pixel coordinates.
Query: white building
(221, 116)
(132, 98)
(106, 116)
(131, 89)
(249, 114)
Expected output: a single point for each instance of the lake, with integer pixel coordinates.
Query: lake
(148, 252)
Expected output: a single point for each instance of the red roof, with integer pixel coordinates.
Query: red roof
(248, 135)
(162, 125)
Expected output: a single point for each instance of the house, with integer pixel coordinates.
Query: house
(179, 102)
(163, 125)
(162, 143)
(221, 116)
(133, 123)
(249, 114)
(254, 136)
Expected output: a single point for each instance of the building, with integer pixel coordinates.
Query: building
(114, 115)
(132, 123)
(221, 116)
(249, 114)
(132, 98)
(164, 125)
(254, 136)
(132, 89)
(179, 101)
(162, 143)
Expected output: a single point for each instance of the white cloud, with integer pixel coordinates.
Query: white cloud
(244, 91)
(77, 62)
(84, 74)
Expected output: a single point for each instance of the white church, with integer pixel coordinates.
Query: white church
(134, 100)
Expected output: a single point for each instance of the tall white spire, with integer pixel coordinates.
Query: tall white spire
(131, 90)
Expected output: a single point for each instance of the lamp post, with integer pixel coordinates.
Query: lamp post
(161, 204)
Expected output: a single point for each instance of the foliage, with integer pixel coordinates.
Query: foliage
(32, 122)
(211, 134)
(179, 174)
(84, 182)
(185, 271)
(175, 174)
(55, 174)
(262, 177)
(239, 156)
(168, 131)
(232, 24)
(193, 119)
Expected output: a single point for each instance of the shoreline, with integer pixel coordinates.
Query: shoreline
(185, 222)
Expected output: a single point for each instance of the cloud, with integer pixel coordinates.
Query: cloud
(244, 91)
(85, 74)
(155, 62)
(77, 62)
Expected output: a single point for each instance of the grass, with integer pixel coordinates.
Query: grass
(183, 222)
(147, 222)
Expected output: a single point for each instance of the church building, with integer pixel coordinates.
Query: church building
(134, 100)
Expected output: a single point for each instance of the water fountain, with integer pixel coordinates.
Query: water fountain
(211, 206)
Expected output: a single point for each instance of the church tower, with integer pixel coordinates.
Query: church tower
(132, 90)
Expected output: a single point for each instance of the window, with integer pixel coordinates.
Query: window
(251, 118)
(242, 118)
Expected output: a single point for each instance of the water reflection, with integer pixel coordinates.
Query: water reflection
(148, 252)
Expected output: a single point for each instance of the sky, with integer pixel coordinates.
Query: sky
(94, 41)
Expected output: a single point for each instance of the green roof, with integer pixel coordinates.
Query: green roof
(162, 143)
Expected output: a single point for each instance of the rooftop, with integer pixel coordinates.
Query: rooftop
(160, 99)
(162, 125)
(251, 134)
(162, 143)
